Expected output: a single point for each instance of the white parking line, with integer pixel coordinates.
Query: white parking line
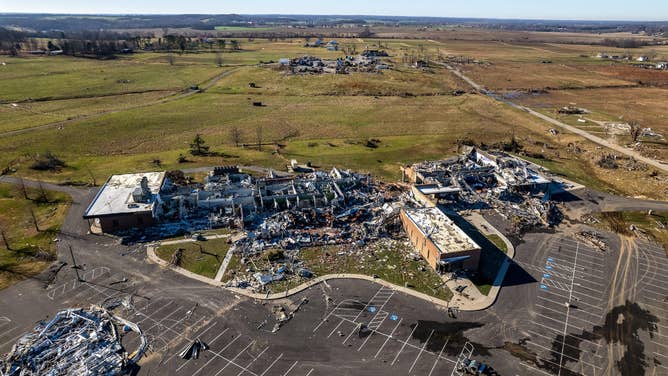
(558, 331)
(199, 335)
(333, 330)
(290, 369)
(209, 343)
(235, 358)
(564, 313)
(272, 364)
(550, 339)
(536, 369)
(309, 372)
(562, 355)
(219, 353)
(253, 361)
(369, 336)
(421, 351)
(388, 338)
(439, 356)
(405, 342)
(154, 312)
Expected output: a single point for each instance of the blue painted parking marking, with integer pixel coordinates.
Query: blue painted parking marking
(372, 309)
(548, 267)
(547, 275)
(550, 259)
(394, 317)
(544, 287)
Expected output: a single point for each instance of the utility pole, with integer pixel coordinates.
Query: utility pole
(74, 265)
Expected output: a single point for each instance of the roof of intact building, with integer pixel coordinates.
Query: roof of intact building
(441, 230)
(124, 194)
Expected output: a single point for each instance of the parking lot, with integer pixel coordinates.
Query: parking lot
(569, 303)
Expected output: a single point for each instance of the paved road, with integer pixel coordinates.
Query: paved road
(570, 128)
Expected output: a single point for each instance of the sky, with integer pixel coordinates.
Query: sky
(648, 10)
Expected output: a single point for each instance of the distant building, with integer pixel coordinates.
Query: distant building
(662, 65)
(642, 58)
(127, 201)
(444, 245)
(284, 61)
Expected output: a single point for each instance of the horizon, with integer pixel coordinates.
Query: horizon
(340, 15)
(566, 10)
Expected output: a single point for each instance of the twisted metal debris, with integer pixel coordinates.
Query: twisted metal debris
(75, 342)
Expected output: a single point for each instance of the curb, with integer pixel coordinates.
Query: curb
(150, 252)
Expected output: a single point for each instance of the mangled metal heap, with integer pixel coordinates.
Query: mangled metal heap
(75, 342)
(517, 189)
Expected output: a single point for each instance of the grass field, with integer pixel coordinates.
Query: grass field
(57, 77)
(14, 116)
(325, 119)
(201, 257)
(30, 251)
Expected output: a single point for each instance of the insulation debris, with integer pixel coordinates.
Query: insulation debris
(74, 342)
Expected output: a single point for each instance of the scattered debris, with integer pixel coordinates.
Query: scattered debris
(476, 179)
(593, 238)
(75, 342)
(193, 349)
(572, 110)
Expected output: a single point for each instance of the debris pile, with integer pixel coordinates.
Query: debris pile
(75, 342)
(572, 110)
(315, 65)
(592, 238)
(477, 179)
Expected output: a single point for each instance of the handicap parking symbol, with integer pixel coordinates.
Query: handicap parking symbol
(543, 287)
(394, 317)
(548, 267)
(372, 309)
(550, 259)
(547, 275)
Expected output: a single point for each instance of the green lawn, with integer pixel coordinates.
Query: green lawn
(204, 261)
(30, 251)
(390, 262)
(498, 242)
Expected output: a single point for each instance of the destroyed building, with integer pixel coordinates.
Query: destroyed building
(478, 179)
(315, 65)
(444, 245)
(127, 201)
(75, 342)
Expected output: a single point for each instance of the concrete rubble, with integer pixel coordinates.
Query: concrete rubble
(75, 342)
(476, 179)
(315, 65)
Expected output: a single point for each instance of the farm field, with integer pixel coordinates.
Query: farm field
(325, 119)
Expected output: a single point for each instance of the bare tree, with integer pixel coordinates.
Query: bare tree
(235, 135)
(4, 239)
(171, 59)
(634, 130)
(34, 220)
(22, 188)
(258, 135)
(219, 59)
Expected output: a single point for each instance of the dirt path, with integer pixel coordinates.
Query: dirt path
(598, 140)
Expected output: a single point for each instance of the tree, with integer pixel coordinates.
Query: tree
(198, 147)
(222, 43)
(235, 44)
(4, 239)
(219, 59)
(634, 130)
(170, 59)
(258, 135)
(235, 135)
